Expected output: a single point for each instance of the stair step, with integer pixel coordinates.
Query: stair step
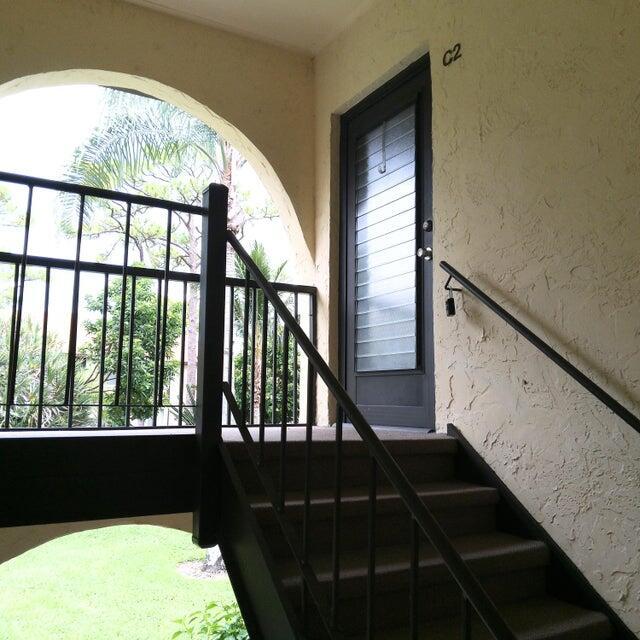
(486, 553)
(512, 570)
(355, 500)
(460, 508)
(534, 619)
(428, 459)
(509, 567)
(323, 442)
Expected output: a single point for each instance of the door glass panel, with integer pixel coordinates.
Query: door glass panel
(385, 243)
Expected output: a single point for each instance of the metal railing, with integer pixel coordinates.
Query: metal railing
(260, 356)
(581, 378)
(381, 465)
(143, 317)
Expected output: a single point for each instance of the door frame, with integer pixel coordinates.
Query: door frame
(422, 65)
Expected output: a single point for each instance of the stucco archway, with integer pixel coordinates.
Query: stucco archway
(229, 132)
(17, 540)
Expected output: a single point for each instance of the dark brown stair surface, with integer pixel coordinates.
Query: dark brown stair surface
(534, 619)
(486, 553)
(422, 461)
(460, 508)
(512, 569)
(436, 495)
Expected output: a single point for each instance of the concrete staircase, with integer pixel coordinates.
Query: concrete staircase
(512, 569)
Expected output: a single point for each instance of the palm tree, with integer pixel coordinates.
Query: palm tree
(146, 146)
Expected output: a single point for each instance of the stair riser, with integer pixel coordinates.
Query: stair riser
(391, 529)
(355, 471)
(436, 601)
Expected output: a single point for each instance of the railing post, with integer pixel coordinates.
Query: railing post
(210, 365)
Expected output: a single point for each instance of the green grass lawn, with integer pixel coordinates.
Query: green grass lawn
(106, 584)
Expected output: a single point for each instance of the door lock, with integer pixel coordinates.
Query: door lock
(426, 253)
(427, 226)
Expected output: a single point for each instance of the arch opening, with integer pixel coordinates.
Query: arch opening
(33, 301)
(112, 580)
(234, 136)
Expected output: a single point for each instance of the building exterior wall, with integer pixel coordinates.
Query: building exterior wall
(536, 131)
(260, 97)
(17, 540)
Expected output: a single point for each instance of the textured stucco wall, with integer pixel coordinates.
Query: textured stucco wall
(17, 540)
(260, 97)
(536, 132)
(536, 138)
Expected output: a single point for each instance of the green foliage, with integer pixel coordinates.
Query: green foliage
(144, 346)
(112, 583)
(27, 387)
(237, 378)
(189, 410)
(214, 622)
(272, 273)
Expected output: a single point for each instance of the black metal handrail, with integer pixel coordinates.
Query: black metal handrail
(547, 350)
(95, 192)
(469, 584)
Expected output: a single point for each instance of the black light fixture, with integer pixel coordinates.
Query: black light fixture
(450, 303)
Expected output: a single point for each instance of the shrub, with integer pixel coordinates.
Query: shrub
(215, 622)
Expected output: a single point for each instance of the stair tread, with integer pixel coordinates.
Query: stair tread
(486, 553)
(533, 619)
(448, 494)
(397, 441)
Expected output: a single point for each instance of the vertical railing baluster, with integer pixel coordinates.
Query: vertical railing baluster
(165, 308)
(73, 329)
(307, 512)
(263, 374)
(182, 352)
(295, 363)
(43, 346)
(335, 584)
(414, 585)
(465, 619)
(254, 318)
(213, 257)
(371, 568)
(14, 304)
(283, 422)
(123, 302)
(232, 293)
(132, 312)
(309, 419)
(103, 344)
(245, 347)
(16, 314)
(312, 374)
(156, 352)
(274, 371)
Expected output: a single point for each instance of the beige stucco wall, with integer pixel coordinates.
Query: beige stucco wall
(17, 540)
(536, 132)
(536, 139)
(260, 97)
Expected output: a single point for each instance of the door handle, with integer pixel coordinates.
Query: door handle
(426, 253)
